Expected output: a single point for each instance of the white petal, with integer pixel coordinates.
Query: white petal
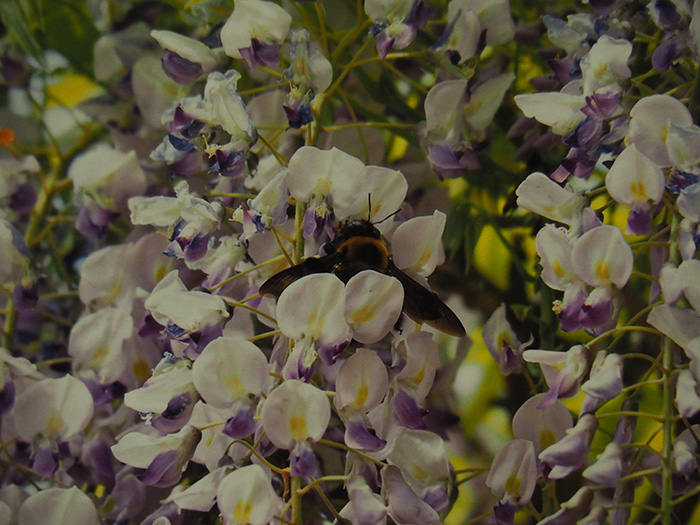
(602, 257)
(229, 369)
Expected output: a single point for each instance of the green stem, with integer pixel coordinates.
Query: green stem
(296, 501)
(299, 213)
(669, 416)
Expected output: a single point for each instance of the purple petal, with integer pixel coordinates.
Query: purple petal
(639, 221)
(98, 458)
(180, 69)
(407, 411)
(600, 105)
(163, 470)
(24, 198)
(358, 435)
(667, 52)
(666, 12)
(45, 463)
(303, 463)
(241, 425)
(596, 315)
(7, 397)
(384, 43)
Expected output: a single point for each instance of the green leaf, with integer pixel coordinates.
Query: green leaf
(68, 27)
(16, 16)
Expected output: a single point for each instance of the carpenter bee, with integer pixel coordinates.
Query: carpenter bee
(358, 246)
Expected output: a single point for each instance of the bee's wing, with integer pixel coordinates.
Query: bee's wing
(424, 306)
(276, 284)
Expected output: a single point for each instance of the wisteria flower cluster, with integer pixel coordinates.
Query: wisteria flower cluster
(379, 262)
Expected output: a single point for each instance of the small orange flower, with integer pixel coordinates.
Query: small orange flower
(7, 137)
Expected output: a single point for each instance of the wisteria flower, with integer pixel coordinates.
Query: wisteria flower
(636, 181)
(253, 31)
(294, 415)
(246, 496)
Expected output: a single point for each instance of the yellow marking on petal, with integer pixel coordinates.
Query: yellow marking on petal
(601, 70)
(363, 315)
(419, 473)
(242, 512)
(361, 397)
(53, 426)
(235, 387)
(503, 339)
(297, 426)
(602, 271)
(547, 438)
(558, 270)
(141, 369)
(97, 357)
(639, 191)
(424, 258)
(513, 485)
(417, 379)
(100, 490)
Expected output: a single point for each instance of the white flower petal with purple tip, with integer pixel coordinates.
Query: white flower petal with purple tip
(650, 124)
(461, 35)
(229, 369)
(638, 182)
(226, 105)
(605, 378)
(563, 371)
(444, 110)
(108, 174)
(246, 497)
(188, 48)
(373, 304)
(571, 452)
(405, 506)
(502, 342)
(362, 382)
(295, 412)
(602, 257)
(605, 65)
(55, 409)
(157, 392)
(315, 174)
(608, 468)
(254, 19)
